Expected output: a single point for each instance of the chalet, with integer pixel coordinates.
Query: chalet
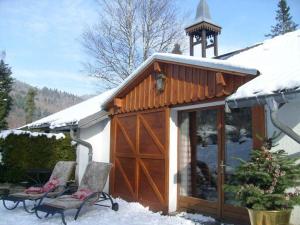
(174, 126)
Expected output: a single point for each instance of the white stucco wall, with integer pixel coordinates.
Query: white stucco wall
(289, 114)
(98, 136)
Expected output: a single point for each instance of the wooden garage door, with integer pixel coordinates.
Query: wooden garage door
(140, 157)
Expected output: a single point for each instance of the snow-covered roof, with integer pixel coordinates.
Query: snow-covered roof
(202, 14)
(73, 114)
(187, 60)
(5, 133)
(278, 61)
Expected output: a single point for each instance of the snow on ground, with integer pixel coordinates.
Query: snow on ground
(129, 214)
(278, 61)
(5, 133)
(73, 114)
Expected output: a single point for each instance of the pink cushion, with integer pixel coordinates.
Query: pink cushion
(82, 194)
(51, 184)
(34, 190)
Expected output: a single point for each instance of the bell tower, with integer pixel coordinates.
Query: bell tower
(202, 30)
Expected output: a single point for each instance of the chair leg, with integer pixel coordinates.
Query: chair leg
(77, 213)
(10, 208)
(37, 215)
(114, 205)
(63, 218)
(26, 208)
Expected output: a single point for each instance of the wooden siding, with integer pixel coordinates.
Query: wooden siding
(184, 84)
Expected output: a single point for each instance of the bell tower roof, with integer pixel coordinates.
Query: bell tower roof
(203, 16)
(203, 11)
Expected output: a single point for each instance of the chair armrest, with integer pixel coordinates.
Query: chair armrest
(90, 197)
(45, 195)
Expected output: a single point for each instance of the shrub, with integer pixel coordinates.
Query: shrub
(262, 183)
(21, 153)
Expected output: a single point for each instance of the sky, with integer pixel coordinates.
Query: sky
(42, 37)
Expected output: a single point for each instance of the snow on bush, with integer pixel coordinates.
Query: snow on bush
(5, 133)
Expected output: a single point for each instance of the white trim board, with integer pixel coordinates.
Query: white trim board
(201, 105)
(173, 161)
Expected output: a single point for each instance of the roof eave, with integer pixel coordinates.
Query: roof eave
(280, 98)
(93, 119)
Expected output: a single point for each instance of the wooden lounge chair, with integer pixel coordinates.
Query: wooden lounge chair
(61, 172)
(94, 180)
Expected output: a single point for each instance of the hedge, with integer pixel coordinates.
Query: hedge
(21, 153)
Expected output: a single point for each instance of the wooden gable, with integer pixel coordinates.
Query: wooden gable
(184, 84)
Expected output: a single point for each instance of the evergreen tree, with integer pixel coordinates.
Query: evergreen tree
(30, 105)
(6, 82)
(284, 20)
(262, 183)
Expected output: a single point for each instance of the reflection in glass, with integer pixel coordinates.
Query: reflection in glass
(238, 143)
(199, 154)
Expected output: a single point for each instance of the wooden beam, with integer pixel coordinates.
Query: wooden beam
(157, 67)
(118, 102)
(203, 43)
(220, 79)
(210, 45)
(216, 44)
(191, 45)
(111, 111)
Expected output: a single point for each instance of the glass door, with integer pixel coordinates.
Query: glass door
(199, 156)
(238, 144)
(210, 140)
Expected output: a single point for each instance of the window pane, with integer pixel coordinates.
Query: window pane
(238, 143)
(198, 155)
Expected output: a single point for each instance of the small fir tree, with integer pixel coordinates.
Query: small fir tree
(262, 182)
(30, 106)
(6, 82)
(284, 20)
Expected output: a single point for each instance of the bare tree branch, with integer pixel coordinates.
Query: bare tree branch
(127, 33)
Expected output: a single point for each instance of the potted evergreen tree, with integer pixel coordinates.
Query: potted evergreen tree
(267, 185)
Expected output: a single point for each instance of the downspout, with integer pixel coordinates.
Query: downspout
(82, 142)
(273, 106)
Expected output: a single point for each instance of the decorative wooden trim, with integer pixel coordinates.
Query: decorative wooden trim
(220, 79)
(125, 177)
(150, 132)
(152, 183)
(126, 136)
(118, 102)
(157, 67)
